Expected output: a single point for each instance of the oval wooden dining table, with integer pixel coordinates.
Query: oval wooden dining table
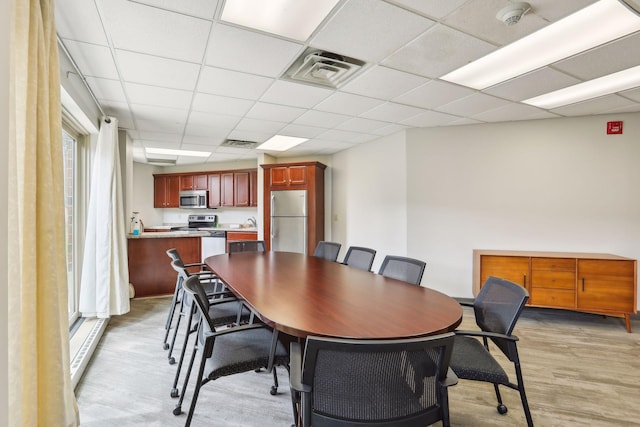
(303, 295)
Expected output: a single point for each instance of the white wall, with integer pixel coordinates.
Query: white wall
(369, 197)
(438, 193)
(5, 26)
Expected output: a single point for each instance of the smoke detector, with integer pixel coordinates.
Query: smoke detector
(512, 13)
(323, 68)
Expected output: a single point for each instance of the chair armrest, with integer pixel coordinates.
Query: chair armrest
(223, 300)
(465, 303)
(451, 379)
(235, 329)
(295, 372)
(224, 294)
(196, 264)
(487, 334)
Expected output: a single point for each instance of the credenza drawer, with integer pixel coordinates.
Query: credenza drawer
(559, 298)
(553, 279)
(555, 264)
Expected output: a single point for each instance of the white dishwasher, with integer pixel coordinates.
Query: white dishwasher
(214, 244)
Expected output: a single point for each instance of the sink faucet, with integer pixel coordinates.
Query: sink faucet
(253, 221)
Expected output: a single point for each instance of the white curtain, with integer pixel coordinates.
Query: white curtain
(40, 388)
(104, 288)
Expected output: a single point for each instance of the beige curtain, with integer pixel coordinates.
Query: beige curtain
(40, 390)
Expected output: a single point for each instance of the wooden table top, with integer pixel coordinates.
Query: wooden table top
(303, 295)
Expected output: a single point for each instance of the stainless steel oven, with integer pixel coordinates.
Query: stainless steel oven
(193, 199)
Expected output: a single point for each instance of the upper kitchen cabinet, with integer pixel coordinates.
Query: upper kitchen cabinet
(253, 187)
(194, 182)
(166, 191)
(227, 190)
(288, 176)
(215, 200)
(241, 188)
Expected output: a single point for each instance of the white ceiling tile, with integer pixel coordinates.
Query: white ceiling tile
(201, 141)
(478, 18)
(295, 94)
(83, 24)
(384, 83)
(359, 124)
(430, 119)
(280, 113)
(390, 129)
(255, 125)
(532, 84)
(512, 112)
(440, 50)
(594, 106)
(345, 136)
(321, 119)
(553, 10)
(245, 135)
(242, 50)
(107, 90)
(369, 30)
(633, 94)
(472, 105)
(151, 143)
(204, 9)
(465, 121)
(93, 60)
(433, 94)
(221, 104)
(156, 71)
(121, 111)
(188, 160)
(154, 31)
(606, 59)
(199, 130)
(347, 103)
(235, 84)
(215, 120)
(433, 9)
(162, 126)
(149, 112)
(392, 112)
(158, 96)
(302, 131)
(223, 157)
(159, 136)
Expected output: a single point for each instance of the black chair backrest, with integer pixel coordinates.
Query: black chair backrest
(247, 246)
(402, 268)
(371, 381)
(327, 250)
(498, 306)
(173, 254)
(197, 293)
(359, 257)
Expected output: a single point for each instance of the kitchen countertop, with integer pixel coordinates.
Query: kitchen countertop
(184, 233)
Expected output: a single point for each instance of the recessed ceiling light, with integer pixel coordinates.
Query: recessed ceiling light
(616, 82)
(295, 19)
(281, 143)
(592, 26)
(152, 150)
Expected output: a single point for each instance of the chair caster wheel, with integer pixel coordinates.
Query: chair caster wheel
(257, 370)
(273, 391)
(177, 410)
(172, 361)
(165, 346)
(502, 409)
(174, 392)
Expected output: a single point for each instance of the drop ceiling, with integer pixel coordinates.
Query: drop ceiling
(176, 76)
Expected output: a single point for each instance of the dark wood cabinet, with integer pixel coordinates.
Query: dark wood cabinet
(253, 188)
(226, 189)
(215, 200)
(596, 283)
(194, 182)
(307, 176)
(166, 191)
(241, 189)
(234, 236)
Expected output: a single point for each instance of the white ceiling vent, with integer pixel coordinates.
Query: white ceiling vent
(238, 143)
(323, 68)
(161, 162)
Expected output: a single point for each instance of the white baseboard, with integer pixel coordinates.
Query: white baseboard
(86, 340)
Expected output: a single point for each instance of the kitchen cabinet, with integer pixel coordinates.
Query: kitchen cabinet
(253, 187)
(166, 191)
(193, 182)
(226, 189)
(241, 190)
(234, 236)
(595, 283)
(215, 200)
(307, 176)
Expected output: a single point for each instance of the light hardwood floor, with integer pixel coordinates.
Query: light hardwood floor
(579, 369)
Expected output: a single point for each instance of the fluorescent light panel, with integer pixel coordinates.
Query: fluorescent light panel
(616, 82)
(592, 26)
(169, 151)
(295, 19)
(281, 143)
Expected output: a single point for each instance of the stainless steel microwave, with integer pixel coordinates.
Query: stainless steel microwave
(193, 199)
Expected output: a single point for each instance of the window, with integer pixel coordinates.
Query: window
(69, 154)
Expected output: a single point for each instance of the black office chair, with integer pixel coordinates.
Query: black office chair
(228, 351)
(327, 250)
(227, 310)
(344, 382)
(359, 257)
(247, 246)
(497, 309)
(408, 270)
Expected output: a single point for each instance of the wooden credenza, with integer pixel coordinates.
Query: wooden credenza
(595, 283)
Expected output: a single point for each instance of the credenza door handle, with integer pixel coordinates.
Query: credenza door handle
(583, 284)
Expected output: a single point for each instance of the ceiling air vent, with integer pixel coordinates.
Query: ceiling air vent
(237, 143)
(323, 68)
(161, 162)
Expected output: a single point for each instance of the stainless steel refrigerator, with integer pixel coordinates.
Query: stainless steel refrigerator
(289, 221)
